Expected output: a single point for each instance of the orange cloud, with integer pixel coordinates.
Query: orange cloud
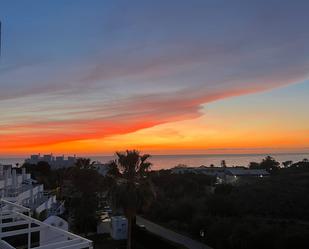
(133, 115)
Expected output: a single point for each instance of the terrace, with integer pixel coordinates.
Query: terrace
(16, 224)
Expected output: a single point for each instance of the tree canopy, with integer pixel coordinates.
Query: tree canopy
(131, 189)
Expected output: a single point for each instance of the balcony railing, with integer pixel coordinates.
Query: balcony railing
(15, 217)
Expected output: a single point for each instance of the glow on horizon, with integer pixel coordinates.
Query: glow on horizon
(221, 130)
(142, 76)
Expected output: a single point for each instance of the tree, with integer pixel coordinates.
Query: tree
(269, 164)
(286, 164)
(131, 189)
(223, 164)
(42, 173)
(301, 164)
(82, 200)
(41, 168)
(254, 165)
(84, 163)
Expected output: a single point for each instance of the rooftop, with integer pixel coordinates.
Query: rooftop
(16, 221)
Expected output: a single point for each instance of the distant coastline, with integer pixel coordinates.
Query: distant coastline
(169, 161)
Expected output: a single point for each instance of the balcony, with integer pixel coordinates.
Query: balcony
(14, 223)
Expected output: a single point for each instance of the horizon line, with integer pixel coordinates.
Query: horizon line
(162, 155)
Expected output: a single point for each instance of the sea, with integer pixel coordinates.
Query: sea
(170, 161)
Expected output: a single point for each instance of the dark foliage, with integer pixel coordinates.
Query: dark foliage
(44, 175)
(84, 185)
(269, 213)
(268, 163)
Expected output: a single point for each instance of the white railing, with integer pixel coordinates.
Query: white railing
(16, 213)
(47, 204)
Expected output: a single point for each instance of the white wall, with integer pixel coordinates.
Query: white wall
(119, 227)
(46, 205)
(9, 180)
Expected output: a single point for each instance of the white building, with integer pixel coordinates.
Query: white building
(211, 171)
(229, 175)
(54, 162)
(119, 227)
(17, 230)
(22, 190)
(232, 175)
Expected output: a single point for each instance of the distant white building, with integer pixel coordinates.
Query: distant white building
(212, 171)
(55, 162)
(22, 190)
(223, 174)
(232, 175)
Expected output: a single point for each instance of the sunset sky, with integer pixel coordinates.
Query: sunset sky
(165, 77)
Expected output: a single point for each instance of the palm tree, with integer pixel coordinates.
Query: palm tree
(84, 163)
(131, 190)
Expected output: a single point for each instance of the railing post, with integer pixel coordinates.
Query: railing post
(29, 231)
(1, 216)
